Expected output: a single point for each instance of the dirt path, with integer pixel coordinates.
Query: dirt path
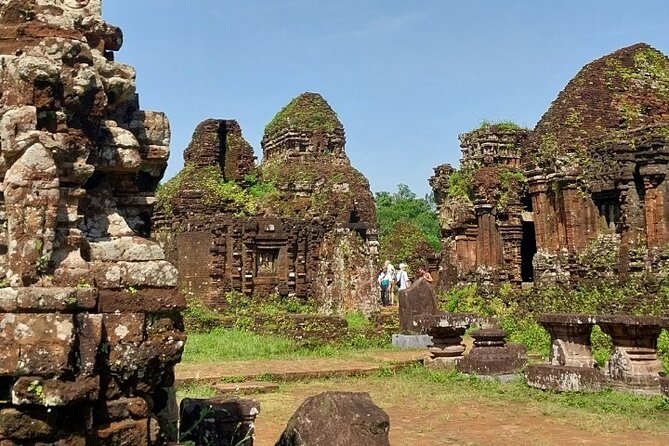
(295, 368)
(417, 422)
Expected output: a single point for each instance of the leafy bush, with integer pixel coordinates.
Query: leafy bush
(516, 311)
(215, 190)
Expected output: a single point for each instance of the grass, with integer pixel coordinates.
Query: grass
(416, 398)
(224, 345)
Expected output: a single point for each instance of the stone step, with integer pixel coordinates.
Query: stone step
(246, 388)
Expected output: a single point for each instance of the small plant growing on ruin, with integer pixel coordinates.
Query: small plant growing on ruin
(504, 125)
(71, 301)
(36, 388)
(28, 14)
(83, 284)
(43, 263)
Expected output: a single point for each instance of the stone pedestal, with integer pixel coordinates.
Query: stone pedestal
(571, 367)
(570, 338)
(492, 356)
(446, 330)
(418, 299)
(634, 363)
(218, 420)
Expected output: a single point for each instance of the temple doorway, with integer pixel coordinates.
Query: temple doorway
(528, 247)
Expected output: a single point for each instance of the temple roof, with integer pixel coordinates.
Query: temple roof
(626, 89)
(307, 112)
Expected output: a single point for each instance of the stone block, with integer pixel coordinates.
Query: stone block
(29, 390)
(416, 300)
(36, 344)
(123, 408)
(564, 378)
(634, 362)
(124, 327)
(570, 338)
(148, 364)
(25, 425)
(219, 421)
(8, 297)
(128, 249)
(411, 341)
(56, 299)
(491, 356)
(89, 334)
(337, 419)
(126, 432)
(141, 301)
(157, 273)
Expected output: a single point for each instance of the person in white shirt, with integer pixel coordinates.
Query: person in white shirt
(402, 278)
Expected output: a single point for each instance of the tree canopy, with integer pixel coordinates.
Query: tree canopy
(408, 225)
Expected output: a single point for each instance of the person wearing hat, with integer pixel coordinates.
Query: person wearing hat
(402, 278)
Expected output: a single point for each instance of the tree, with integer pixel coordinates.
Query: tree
(408, 225)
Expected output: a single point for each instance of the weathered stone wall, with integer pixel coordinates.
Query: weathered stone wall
(311, 228)
(590, 201)
(480, 208)
(89, 322)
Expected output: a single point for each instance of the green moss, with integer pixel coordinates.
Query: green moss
(510, 181)
(498, 126)
(308, 112)
(215, 191)
(460, 185)
(574, 119)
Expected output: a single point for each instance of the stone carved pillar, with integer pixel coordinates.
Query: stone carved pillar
(446, 330)
(570, 339)
(542, 213)
(492, 356)
(657, 227)
(634, 362)
(488, 241)
(571, 367)
(580, 220)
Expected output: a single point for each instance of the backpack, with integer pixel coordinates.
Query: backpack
(398, 279)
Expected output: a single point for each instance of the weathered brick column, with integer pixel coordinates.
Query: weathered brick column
(89, 313)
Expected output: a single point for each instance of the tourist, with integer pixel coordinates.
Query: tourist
(402, 282)
(390, 270)
(425, 274)
(384, 283)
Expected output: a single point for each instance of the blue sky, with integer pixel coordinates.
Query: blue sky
(405, 77)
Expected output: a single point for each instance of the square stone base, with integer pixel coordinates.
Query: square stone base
(411, 341)
(564, 379)
(442, 363)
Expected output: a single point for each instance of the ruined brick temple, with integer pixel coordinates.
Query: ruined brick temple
(583, 196)
(89, 322)
(301, 224)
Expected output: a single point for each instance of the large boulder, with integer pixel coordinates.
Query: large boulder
(337, 419)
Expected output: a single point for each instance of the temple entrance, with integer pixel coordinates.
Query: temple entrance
(528, 247)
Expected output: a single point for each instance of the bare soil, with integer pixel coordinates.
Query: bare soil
(419, 418)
